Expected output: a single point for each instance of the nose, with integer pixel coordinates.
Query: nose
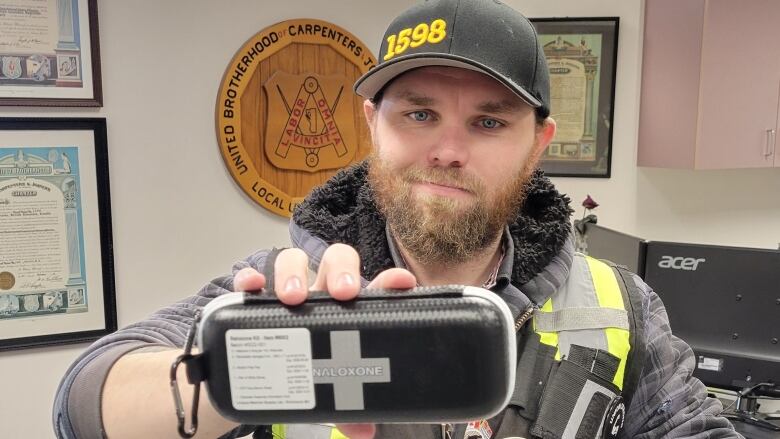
(450, 149)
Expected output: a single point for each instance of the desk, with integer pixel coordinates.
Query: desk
(748, 430)
(753, 432)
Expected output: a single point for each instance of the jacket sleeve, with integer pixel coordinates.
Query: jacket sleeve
(77, 403)
(669, 402)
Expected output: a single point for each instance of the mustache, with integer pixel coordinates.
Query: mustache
(444, 177)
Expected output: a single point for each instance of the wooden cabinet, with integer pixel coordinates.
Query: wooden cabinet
(710, 84)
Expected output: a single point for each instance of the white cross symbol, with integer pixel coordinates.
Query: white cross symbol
(347, 370)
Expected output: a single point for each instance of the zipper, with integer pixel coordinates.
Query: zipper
(522, 318)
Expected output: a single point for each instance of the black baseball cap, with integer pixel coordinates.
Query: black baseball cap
(482, 35)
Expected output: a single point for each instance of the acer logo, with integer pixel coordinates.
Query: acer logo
(680, 263)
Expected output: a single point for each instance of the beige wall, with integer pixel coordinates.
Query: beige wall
(179, 219)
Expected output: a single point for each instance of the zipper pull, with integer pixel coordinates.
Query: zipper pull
(446, 431)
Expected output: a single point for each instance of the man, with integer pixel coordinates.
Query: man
(458, 112)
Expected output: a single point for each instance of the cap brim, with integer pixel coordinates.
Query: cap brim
(375, 79)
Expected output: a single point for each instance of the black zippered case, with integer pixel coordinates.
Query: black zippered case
(431, 354)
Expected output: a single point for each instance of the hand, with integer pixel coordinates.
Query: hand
(339, 274)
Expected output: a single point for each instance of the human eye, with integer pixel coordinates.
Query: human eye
(420, 115)
(490, 123)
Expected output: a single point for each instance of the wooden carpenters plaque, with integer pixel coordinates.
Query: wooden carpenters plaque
(287, 119)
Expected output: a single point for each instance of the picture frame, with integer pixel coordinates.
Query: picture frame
(581, 55)
(56, 264)
(50, 53)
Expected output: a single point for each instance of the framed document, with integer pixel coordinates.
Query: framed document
(581, 55)
(56, 259)
(49, 53)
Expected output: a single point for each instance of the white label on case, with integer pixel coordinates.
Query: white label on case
(270, 369)
(713, 364)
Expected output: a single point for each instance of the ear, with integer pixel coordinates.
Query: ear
(370, 111)
(544, 135)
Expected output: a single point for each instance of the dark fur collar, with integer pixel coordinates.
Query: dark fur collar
(343, 210)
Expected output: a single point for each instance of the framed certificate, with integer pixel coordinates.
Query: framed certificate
(50, 53)
(581, 56)
(56, 259)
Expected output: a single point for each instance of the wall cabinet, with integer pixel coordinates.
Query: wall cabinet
(710, 96)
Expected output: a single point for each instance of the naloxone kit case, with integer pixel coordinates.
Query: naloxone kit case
(431, 354)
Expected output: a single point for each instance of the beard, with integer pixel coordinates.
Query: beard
(438, 230)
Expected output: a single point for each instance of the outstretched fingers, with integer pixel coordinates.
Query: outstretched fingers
(339, 272)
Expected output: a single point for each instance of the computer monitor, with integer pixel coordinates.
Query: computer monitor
(725, 303)
(618, 247)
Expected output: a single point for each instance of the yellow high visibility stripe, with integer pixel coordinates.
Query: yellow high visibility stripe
(336, 434)
(549, 338)
(609, 296)
(279, 431)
